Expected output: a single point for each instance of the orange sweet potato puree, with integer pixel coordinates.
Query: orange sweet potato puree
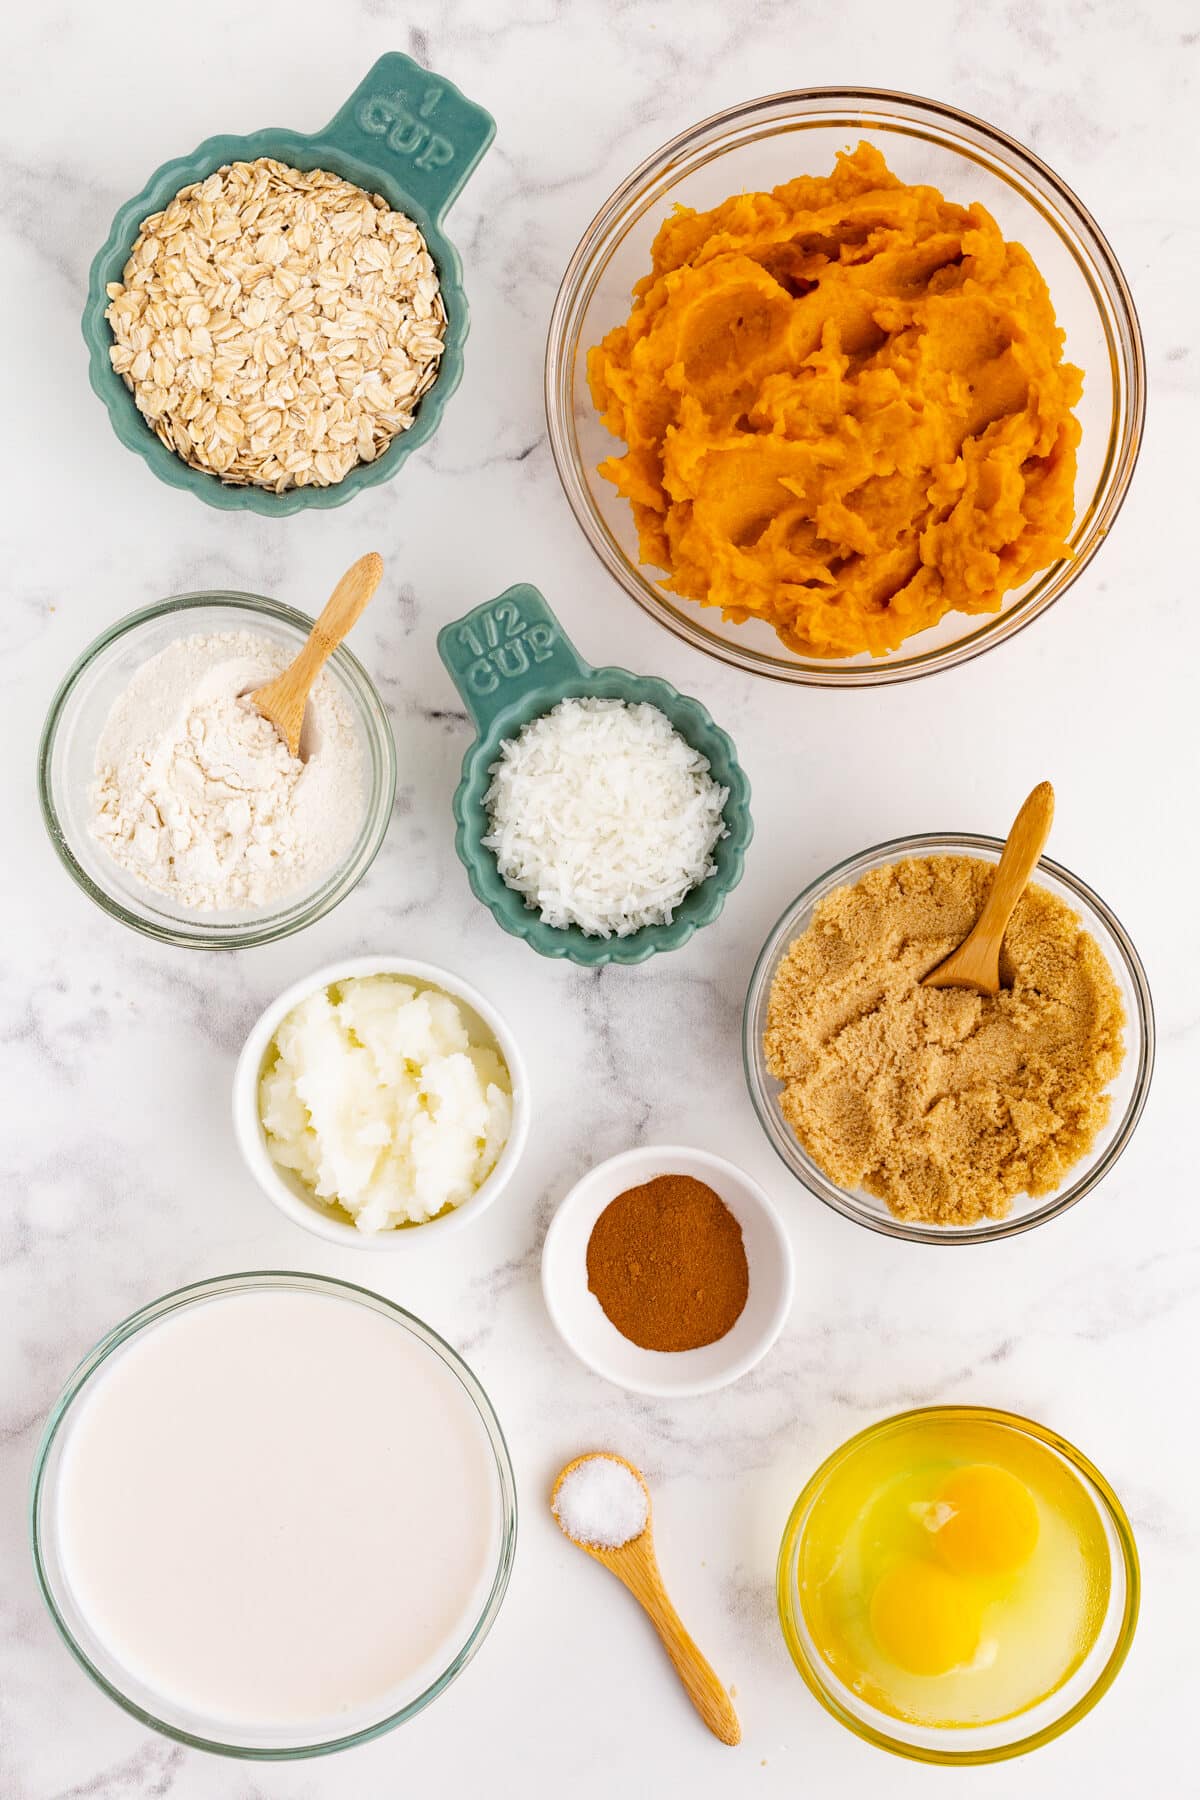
(845, 407)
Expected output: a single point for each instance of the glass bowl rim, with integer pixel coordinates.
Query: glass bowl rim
(268, 1280)
(258, 929)
(1105, 1497)
(1062, 1199)
(1126, 430)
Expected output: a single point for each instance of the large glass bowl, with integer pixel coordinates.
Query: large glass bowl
(756, 146)
(964, 1746)
(1127, 1093)
(66, 768)
(169, 1716)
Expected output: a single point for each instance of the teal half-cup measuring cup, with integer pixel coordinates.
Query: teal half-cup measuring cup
(405, 133)
(511, 661)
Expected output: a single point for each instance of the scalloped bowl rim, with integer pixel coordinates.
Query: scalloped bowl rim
(127, 422)
(559, 942)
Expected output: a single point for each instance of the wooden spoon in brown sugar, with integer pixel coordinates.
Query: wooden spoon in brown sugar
(635, 1564)
(976, 962)
(283, 700)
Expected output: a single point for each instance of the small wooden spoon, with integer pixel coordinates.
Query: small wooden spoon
(634, 1563)
(976, 962)
(283, 700)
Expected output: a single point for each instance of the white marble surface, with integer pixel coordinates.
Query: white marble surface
(121, 1179)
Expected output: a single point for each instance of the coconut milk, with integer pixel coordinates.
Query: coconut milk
(279, 1509)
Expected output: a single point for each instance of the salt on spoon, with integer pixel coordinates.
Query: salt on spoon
(602, 1504)
(283, 700)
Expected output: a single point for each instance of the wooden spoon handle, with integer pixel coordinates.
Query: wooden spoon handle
(341, 611)
(700, 1682)
(1018, 860)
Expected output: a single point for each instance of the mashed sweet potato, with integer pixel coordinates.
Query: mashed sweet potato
(846, 410)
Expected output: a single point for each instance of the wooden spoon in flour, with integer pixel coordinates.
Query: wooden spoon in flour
(283, 700)
(976, 962)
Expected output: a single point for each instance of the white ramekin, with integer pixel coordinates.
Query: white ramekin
(288, 1192)
(587, 1330)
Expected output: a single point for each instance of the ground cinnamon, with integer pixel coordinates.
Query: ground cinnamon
(667, 1263)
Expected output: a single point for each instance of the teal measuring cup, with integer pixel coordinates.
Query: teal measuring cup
(511, 661)
(405, 133)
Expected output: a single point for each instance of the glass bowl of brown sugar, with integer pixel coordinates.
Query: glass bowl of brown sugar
(1117, 1101)
(713, 1216)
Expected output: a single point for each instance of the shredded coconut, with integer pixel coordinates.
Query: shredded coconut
(602, 1503)
(195, 793)
(603, 816)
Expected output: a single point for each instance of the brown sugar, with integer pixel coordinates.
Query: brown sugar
(667, 1263)
(942, 1102)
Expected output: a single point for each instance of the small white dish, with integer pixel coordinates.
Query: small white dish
(290, 1194)
(586, 1329)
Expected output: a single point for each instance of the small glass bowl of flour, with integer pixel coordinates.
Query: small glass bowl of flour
(179, 809)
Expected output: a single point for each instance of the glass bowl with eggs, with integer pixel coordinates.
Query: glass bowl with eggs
(958, 1585)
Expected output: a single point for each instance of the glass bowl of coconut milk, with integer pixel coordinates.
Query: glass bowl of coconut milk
(273, 1515)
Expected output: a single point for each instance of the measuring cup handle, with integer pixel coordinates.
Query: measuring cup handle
(416, 123)
(501, 649)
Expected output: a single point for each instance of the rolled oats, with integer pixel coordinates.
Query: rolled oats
(277, 326)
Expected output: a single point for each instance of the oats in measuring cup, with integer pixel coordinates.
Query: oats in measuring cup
(277, 326)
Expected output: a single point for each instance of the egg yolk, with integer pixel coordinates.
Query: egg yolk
(987, 1521)
(924, 1619)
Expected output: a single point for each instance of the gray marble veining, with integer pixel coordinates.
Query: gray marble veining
(122, 1180)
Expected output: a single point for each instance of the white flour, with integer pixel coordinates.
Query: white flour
(196, 794)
